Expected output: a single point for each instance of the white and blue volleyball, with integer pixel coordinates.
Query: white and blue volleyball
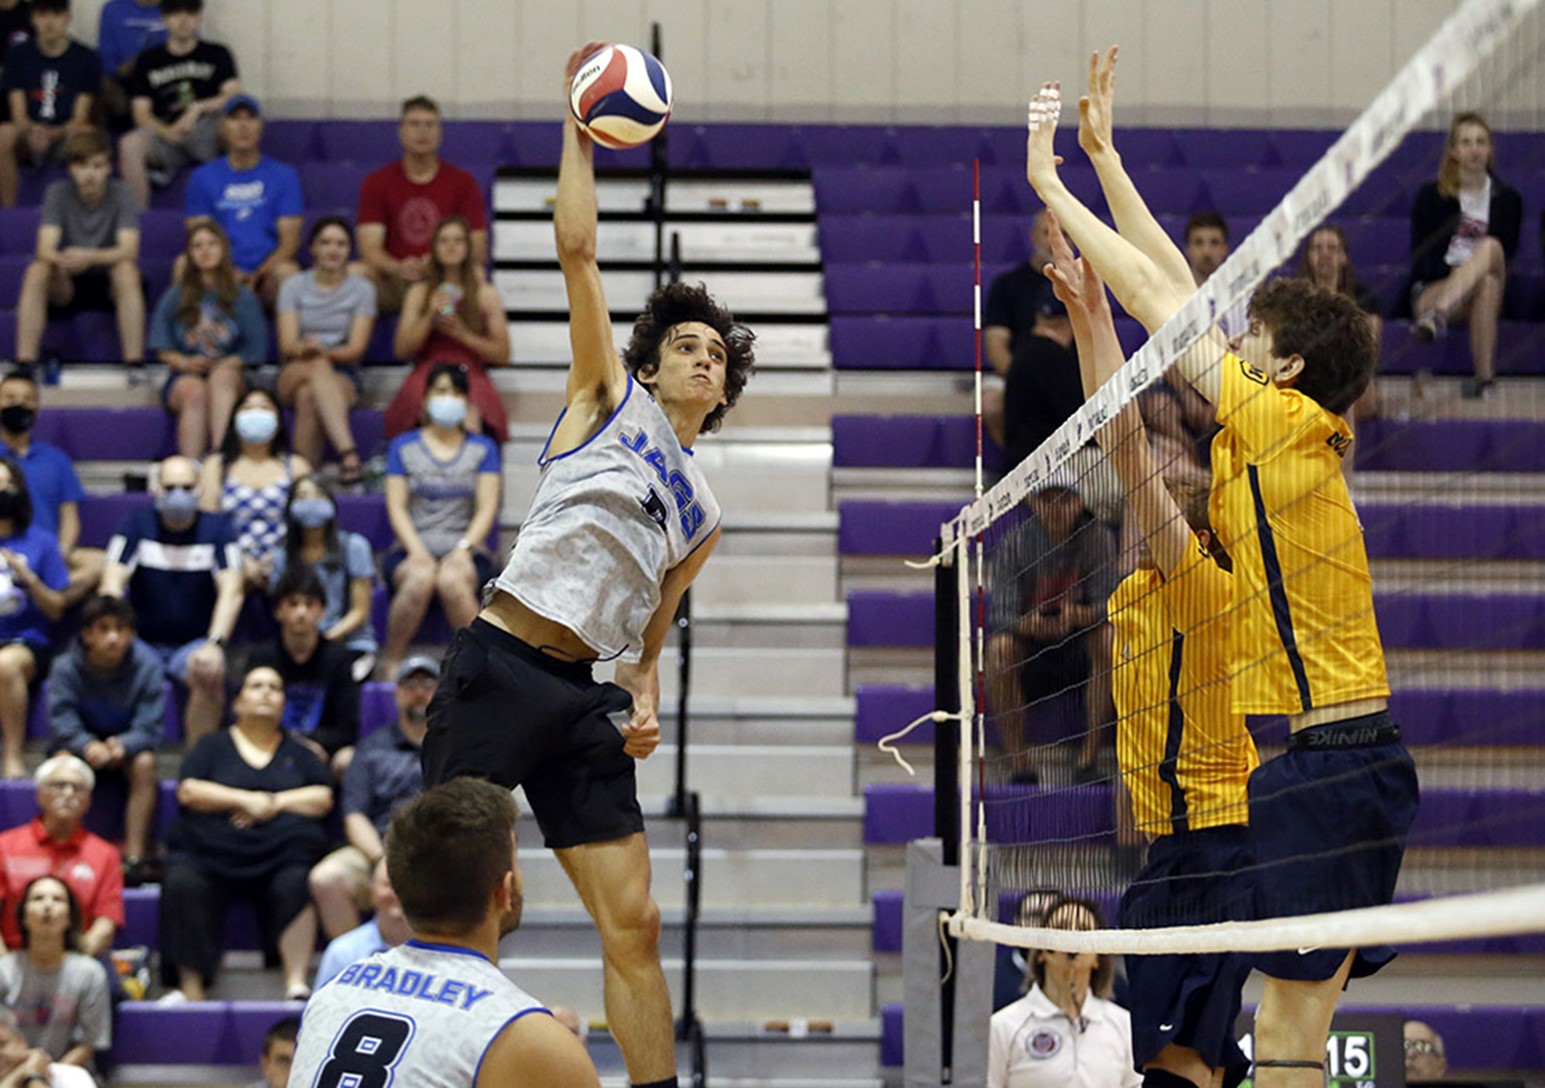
(621, 96)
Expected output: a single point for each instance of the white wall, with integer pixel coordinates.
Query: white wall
(1214, 62)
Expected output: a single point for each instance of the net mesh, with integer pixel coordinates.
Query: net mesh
(1097, 729)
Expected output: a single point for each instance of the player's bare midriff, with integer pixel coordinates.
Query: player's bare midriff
(1340, 712)
(549, 636)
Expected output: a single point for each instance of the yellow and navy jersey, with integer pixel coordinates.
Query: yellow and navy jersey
(1185, 754)
(1306, 635)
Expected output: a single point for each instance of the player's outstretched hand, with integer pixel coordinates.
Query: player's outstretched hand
(1095, 109)
(1041, 160)
(1073, 279)
(641, 736)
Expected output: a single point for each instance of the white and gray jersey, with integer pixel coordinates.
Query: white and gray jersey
(608, 520)
(419, 1014)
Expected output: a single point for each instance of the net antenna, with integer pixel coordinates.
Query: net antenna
(1482, 44)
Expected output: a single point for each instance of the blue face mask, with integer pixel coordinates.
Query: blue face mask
(177, 505)
(256, 424)
(312, 513)
(447, 411)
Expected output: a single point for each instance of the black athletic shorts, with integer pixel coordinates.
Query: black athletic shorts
(1192, 878)
(507, 712)
(1330, 825)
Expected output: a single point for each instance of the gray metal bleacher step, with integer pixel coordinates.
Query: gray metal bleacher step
(778, 670)
(683, 195)
(783, 719)
(538, 290)
(778, 346)
(744, 770)
(742, 239)
(802, 934)
(742, 579)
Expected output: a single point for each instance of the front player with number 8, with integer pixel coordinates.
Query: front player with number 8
(368, 1045)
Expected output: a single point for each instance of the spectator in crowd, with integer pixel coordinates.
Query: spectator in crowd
(1206, 244)
(125, 29)
(442, 495)
(15, 24)
(1426, 1061)
(50, 83)
(180, 569)
(107, 705)
(249, 481)
(384, 775)
(1464, 230)
(56, 844)
(206, 327)
(278, 1053)
(51, 481)
(325, 317)
(253, 799)
(176, 93)
(1064, 1030)
(1327, 263)
(341, 559)
(58, 993)
(255, 199)
(87, 255)
(24, 1066)
(452, 315)
(33, 577)
(400, 203)
(1051, 580)
(387, 928)
(321, 699)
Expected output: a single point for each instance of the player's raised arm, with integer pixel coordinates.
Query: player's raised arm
(1134, 220)
(596, 374)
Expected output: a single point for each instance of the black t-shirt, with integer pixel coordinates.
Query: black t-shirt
(15, 25)
(213, 844)
(1042, 390)
(1016, 298)
(321, 699)
(51, 84)
(174, 83)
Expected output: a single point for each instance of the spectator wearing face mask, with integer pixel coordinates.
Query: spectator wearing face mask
(180, 568)
(32, 579)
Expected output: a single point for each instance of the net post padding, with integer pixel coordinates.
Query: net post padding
(1486, 914)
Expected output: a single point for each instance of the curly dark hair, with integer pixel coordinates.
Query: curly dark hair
(1328, 330)
(675, 304)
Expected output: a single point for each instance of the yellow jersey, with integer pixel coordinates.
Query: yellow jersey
(1306, 635)
(1185, 755)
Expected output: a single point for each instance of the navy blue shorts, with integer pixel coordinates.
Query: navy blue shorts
(1330, 830)
(1192, 878)
(507, 712)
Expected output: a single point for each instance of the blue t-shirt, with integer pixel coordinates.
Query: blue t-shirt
(354, 560)
(127, 28)
(51, 480)
(248, 204)
(20, 617)
(172, 575)
(442, 495)
(51, 84)
(350, 947)
(241, 332)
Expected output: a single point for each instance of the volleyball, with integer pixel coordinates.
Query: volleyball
(621, 96)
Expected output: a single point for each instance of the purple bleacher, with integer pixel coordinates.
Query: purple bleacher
(884, 708)
(1378, 240)
(1300, 148)
(921, 145)
(1241, 193)
(7, 327)
(893, 1030)
(1236, 149)
(435, 629)
(161, 233)
(1470, 818)
(332, 184)
(838, 144)
(898, 813)
(148, 434)
(1451, 445)
(173, 197)
(100, 516)
(380, 348)
(91, 335)
(887, 238)
(292, 142)
(377, 710)
(19, 229)
(909, 442)
(896, 342)
(373, 143)
(12, 267)
(899, 288)
(1471, 531)
(891, 528)
(1476, 1036)
(878, 617)
(195, 1033)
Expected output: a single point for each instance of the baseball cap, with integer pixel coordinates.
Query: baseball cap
(242, 101)
(418, 663)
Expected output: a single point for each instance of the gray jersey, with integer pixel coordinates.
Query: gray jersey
(419, 1014)
(608, 520)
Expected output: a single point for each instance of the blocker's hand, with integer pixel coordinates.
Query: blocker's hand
(1095, 108)
(1041, 159)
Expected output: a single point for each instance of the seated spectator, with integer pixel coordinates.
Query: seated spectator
(180, 569)
(1020, 304)
(33, 577)
(176, 92)
(252, 799)
(107, 705)
(51, 481)
(341, 559)
(206, 327)
(58, 993)
(1079, 1037)
(255, 199)
(452, 316)
(125, 29)
(325, 318)
(249, 481)
(388, 928)
(1327, 263)
(278, 1053)
(394, 221)
(321, 699)
(50, 83)
(384, 775)
(1426, 1062)
(56, 844)
(1464, 230)
(442, 495)
(1051, 579)
(22, 1066)
(87, 255)
(1206, 248)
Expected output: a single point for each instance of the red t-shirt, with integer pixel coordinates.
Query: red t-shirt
(89, 865)
(410, 211)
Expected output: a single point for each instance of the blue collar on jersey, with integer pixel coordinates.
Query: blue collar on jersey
(456, 949)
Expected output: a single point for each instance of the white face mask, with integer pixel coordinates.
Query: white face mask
(256, 424)
(447, 411)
